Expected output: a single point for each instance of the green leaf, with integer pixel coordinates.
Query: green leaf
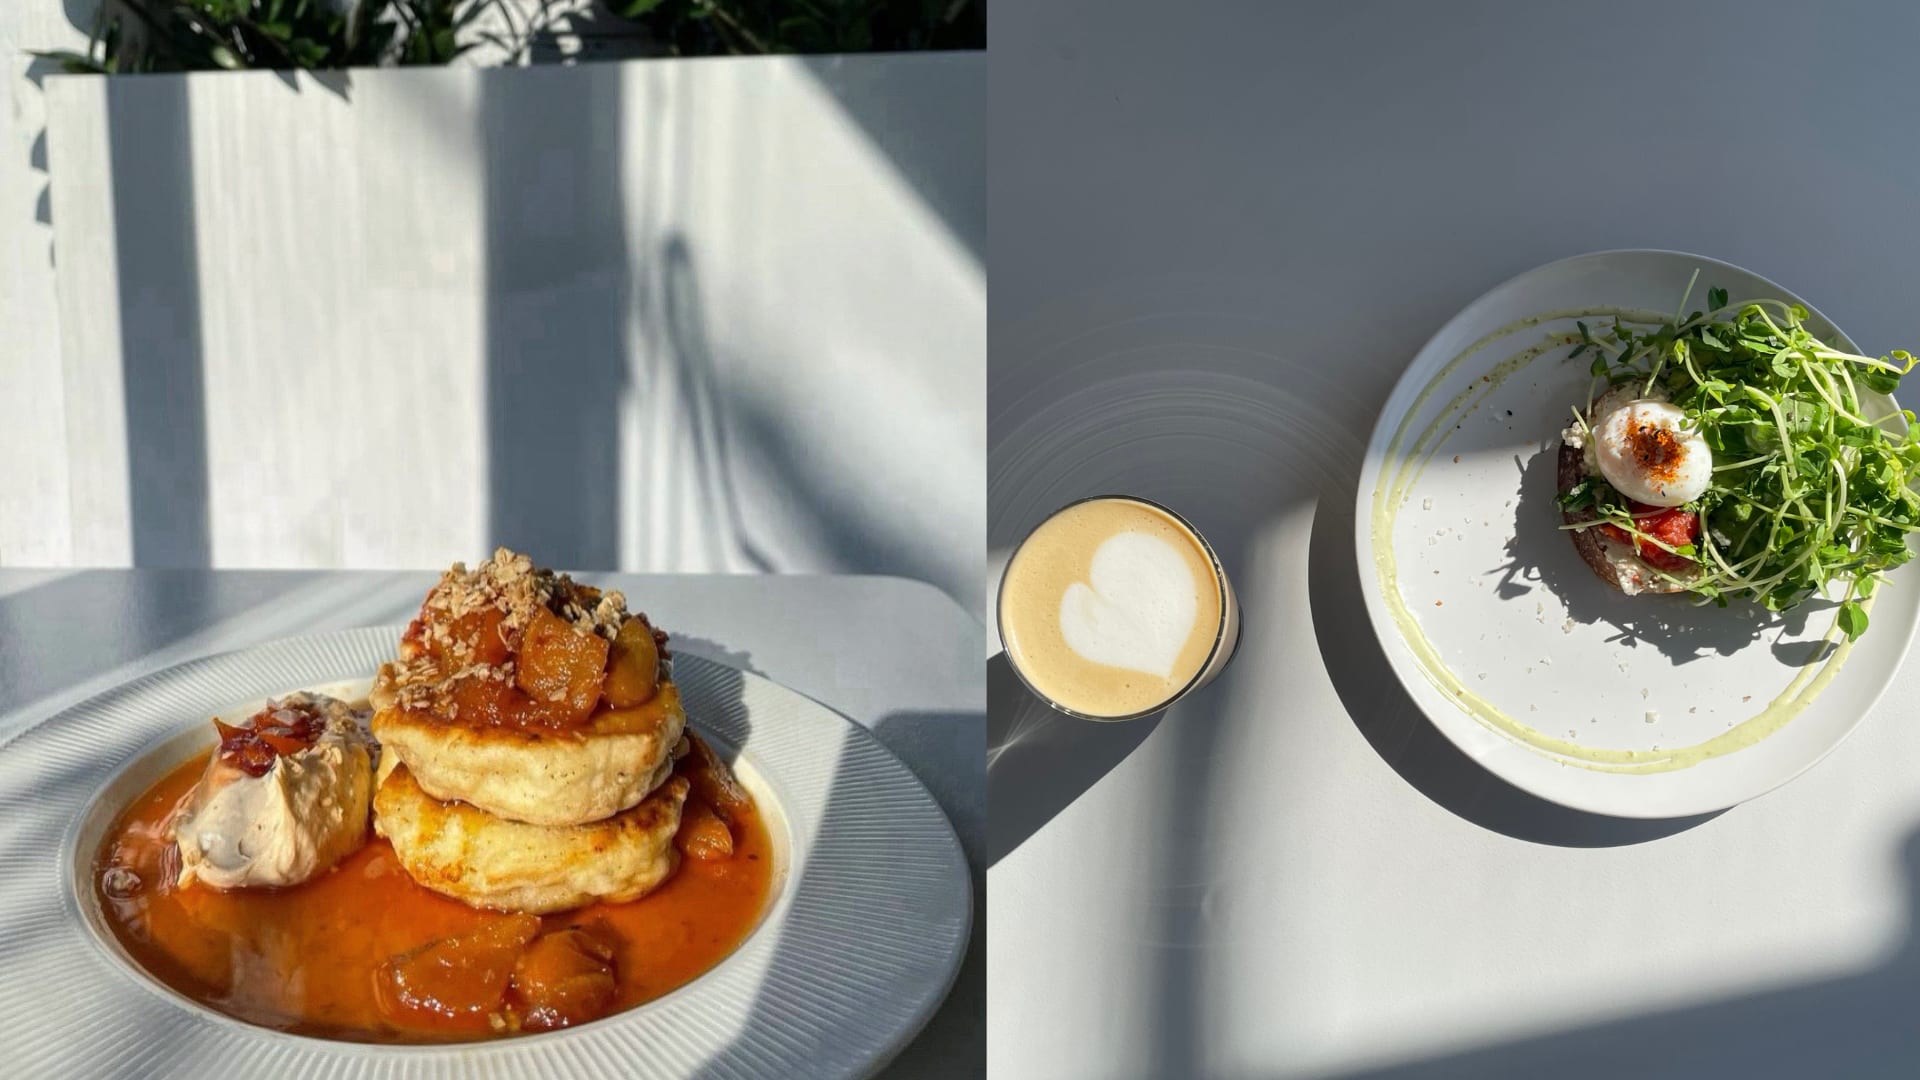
(308, 54)
(1599, 365)
(1879, 380)
(1578, 496)
(1716, 298)
(1853, 619)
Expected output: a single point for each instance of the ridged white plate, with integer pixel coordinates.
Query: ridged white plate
(860, 942)
(1495, 604)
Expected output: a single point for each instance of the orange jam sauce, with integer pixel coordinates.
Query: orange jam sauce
(304, 959)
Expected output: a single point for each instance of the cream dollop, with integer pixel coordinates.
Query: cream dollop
(306, 813)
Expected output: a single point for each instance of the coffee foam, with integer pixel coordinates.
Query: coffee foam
(1111, 607)
(1136, 609)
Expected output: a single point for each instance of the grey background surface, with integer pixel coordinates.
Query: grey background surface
(1219, 232)
(895, 656)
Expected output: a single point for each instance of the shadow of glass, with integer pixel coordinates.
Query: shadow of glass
(1401, 734)
(1040, 760)
(1859, 1025)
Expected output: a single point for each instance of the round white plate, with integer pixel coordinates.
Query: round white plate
(861, 940)
(1510, 644)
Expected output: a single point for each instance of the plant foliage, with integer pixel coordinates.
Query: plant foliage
(1813, 465)
(707, 27)
(202, 35)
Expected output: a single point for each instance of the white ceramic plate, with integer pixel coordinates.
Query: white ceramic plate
(1486, 612)
(861, 940)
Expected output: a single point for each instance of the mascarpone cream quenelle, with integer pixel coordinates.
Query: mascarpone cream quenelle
(304, 813)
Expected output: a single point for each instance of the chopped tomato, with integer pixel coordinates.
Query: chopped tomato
(1669, 525)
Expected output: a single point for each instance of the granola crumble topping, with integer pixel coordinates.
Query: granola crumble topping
(434, 654)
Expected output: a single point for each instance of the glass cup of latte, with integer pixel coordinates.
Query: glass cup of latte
(1115, 608)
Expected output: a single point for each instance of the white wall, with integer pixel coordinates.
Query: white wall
(694, 315)
(34, 526)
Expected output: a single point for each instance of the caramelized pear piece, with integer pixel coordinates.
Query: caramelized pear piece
(633, 666)
(561, 668)
(702, 834)
(714, 783)
(564, 978)
(457, 976)
(482, 631)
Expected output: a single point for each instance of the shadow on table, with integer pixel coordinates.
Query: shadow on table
(1406, 740)
(954, 1042)
(1855, 1026)
(1040, 760)
(1682, 632)
(152, 610)
(851, 849)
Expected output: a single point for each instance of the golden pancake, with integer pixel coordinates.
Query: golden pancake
(540, 777)
(488, 862)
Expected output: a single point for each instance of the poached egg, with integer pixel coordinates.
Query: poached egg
(1645, 449)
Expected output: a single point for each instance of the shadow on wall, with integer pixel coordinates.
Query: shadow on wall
(706, 412)
(732, 433)
(618, 433)
(558, 294)
(154, 220)
(934, 146)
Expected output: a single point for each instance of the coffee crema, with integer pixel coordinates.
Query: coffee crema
(1111, 608)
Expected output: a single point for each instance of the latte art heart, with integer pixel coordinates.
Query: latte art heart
(1136, 609)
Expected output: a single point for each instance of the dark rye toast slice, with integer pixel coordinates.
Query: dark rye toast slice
(1610, 561)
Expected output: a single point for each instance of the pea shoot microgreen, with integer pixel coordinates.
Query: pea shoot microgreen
(1812, 485)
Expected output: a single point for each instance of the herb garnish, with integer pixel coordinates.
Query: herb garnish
(1808, 488)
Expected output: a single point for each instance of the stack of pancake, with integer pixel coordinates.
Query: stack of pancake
(523, 818)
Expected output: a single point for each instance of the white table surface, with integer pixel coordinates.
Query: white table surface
(1218, 237)
(896, 656)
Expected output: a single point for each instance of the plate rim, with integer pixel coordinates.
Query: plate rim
(1389, 637)
(544, 1046)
